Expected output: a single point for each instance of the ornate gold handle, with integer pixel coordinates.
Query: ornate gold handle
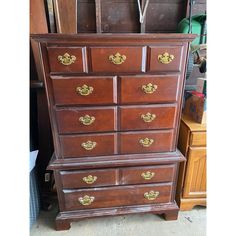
(165, 58)
(85, 90)
(66, 59)
(117, 59)
(148, 117)
(147, 142)
(151, 195)
(90, 179)
(148, 175)
(86, 200)
(87, 119)
(149, 88)
(89, 145)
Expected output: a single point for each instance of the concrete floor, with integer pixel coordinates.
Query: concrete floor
(189, 223)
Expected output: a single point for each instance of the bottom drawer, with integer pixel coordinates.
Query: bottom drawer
(117, 196)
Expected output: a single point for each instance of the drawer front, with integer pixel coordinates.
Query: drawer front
(117, 59)
(143, 142)
(89, 178)
(88, 145)
(67, 59)
(117, 196)
(80, 120)
(165, 58)
(148, 117)
(84, 90)
(149, 89)
(198, 139)
(147, 174)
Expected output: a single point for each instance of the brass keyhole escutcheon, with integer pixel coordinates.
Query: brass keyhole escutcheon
(148, 175)
(151, 195)
(117, 59)
(85, 90)
(149, 88)
(86, 200)
(89, 145)
(87, 119)
(146, 142)
(66, 59)
(90, 179)
(148, 117)
(165, 58)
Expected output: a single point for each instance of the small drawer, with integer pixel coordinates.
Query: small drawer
(80, 120)
(143, 142)
(117, 196)
(84, 90)
(67, 59)
(147, 117)
(149, 89)
(89, 178)
(147, 174)
(165, 58)
(198, 139)
(88, 145)
(118, 59)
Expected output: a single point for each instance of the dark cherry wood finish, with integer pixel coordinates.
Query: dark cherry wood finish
(118, 159)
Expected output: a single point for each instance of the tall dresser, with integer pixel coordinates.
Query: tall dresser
(114, 102)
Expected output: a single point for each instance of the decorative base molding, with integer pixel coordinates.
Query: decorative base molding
(187, 204)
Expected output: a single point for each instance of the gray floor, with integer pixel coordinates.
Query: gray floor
(189, 223)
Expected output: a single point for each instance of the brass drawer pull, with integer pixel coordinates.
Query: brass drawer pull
(87, 119)
(148, 175)
(89, 145)
(147, 142)
(165, 58)
(117, 59)
(151, 195)
(85, 90)
(86, 200)
(148, 117)
(149, 88)
(66, 59)
(90, 179)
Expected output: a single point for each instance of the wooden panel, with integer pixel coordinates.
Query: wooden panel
(159, 51)
(66, 16)
(78, 65)
(195, 179)
(72, 145)
(132, 92)
(104, 90)
(131, 117)
(74, 179)
(198, 139)
(135, 175)
(117, 196)
(133, 59)
(69, 120)
(162, 142)
(184, 136)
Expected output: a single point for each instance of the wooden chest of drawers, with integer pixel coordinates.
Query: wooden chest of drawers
(114, 104)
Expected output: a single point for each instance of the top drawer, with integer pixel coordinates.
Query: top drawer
(67, 59)
(118, 59)
(198, 139)
(166, 58)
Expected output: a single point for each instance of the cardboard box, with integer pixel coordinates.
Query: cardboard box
(195, 107)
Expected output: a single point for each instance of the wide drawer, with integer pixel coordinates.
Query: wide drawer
(167, 58)
(67, 59)
(198, 139)
(84, 90)
(143, 142)
(88, 145)
(118, 59)
(80, 120)
(89, 178)
(147, 174)
(149, 89)
(147, 117)
(117, 196)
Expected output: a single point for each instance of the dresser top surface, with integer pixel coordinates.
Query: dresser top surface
(192, 125)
